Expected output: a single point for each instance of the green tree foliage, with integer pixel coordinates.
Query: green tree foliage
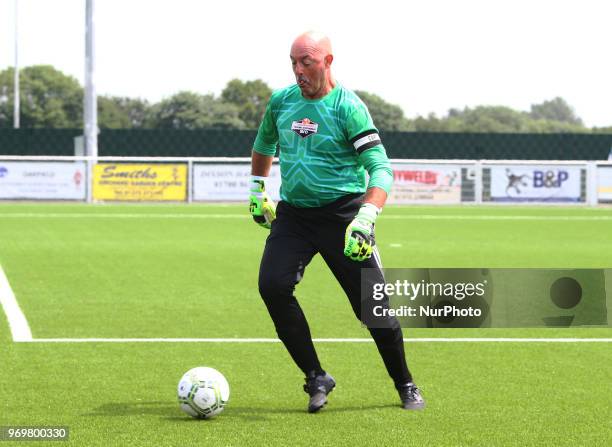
(431, 123)
(607, 129)
(250, 98)
(116, 112)
(490, 119)
(111, 115)
(496, 119)
(48, 98)
(52, 99)
(556, 109)
(386, 116)
(189, 110)
(549, 126)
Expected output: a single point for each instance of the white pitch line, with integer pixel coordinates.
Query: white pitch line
(16, 319)
(494, 217)
(316, 340)
(247, 216)
(125, 215)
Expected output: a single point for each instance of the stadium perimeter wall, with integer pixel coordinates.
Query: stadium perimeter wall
(237, 143)
(225, 179)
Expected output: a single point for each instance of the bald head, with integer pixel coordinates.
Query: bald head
(313, 40)
(311, 58)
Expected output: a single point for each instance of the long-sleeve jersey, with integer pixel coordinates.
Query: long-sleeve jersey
(326, 145)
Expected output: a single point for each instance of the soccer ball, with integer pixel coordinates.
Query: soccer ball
(203, 392)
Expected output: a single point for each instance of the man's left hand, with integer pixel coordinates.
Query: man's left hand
(359, 236)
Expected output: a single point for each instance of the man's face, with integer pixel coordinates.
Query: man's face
(309, 68)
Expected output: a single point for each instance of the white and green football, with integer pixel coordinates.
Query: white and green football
(203, 392)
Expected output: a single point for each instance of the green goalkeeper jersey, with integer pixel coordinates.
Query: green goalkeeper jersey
(325, 146)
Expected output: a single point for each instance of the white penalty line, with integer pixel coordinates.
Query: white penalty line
(247, 216)
(18, 324)
(316, 340)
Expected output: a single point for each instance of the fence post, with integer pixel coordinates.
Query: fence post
(478, 182)
(189, 180)
(89, 162)
(592, 183)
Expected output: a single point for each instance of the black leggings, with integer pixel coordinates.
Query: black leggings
(297, 235)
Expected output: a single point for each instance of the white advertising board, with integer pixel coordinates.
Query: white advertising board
(43, 180)
(422, 183)
(604, 184)
(229, 182)
(536, 183)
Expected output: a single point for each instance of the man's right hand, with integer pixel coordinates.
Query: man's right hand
(261, 206)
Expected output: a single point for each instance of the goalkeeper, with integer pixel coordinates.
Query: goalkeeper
(327, 142)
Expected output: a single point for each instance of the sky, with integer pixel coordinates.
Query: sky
(426, 55)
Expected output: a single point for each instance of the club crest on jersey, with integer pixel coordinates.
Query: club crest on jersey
(304, 128)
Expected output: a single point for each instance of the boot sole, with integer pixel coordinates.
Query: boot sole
(415, 407)
(315, 409)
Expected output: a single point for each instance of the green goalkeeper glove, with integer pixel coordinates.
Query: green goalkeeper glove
(261, 206)
(359, 236)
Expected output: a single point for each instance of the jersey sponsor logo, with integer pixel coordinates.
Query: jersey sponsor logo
(304, 128)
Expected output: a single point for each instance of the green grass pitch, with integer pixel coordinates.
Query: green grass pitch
(178, 271)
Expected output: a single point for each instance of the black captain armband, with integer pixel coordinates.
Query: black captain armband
(365, 140)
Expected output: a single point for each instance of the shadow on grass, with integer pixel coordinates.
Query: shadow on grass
(170, 411)
(158, 408)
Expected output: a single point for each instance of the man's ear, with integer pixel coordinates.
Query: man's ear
(328, 60)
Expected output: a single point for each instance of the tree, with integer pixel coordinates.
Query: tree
(116, 112)
(549, 126)
(189, 110)
(556, 109)
(48, 98)
(111, 115)
(607, 129)
(251, 98)
(386, 116)
(52, 99)
(430, 124)
(493, 119)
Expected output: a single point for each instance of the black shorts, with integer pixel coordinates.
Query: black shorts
(298, 234)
